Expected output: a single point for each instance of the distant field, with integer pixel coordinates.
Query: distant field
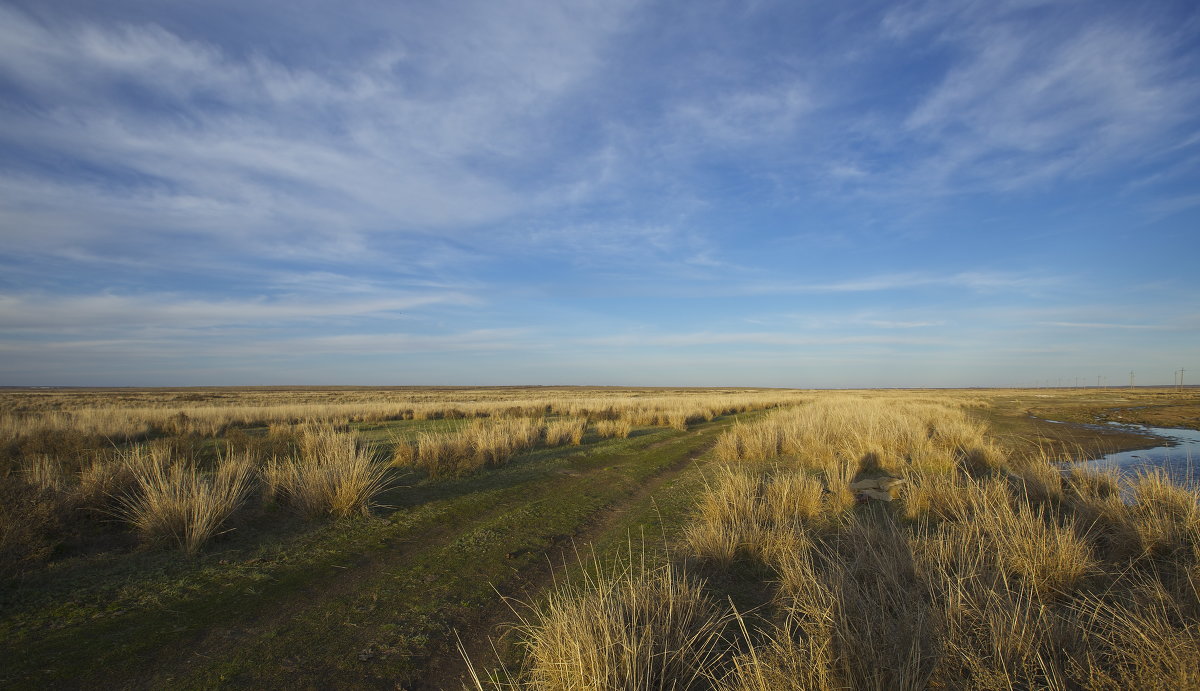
(589, 538)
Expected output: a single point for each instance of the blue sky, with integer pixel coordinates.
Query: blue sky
(684, 193)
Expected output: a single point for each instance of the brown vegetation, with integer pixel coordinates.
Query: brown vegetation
(884, 540)
(988, 571)
(176, 502)
(626, 626)
(334, 474)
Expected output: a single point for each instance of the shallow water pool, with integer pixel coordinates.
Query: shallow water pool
(1178, 456)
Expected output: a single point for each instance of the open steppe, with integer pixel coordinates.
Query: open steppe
(590, 538)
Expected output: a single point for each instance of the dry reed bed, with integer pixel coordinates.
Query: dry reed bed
(176, 502)
(487, 443)
(624, 626)
(162, 460)
(120, 423)
(492, 443)
(34, 401)
(482, 444)
(988, 572)
(178, 499)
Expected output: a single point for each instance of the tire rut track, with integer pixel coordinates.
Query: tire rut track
(451, 671)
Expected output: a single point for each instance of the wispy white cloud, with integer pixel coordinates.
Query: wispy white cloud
(251, 150)
(117, 311)
(535, 177)
(477, 339)
(1169, 206)
(889, 324)
(753, 338)
(975, 281)
(1033, 98)
(742, 116)
(1100, 325)
(185, 351)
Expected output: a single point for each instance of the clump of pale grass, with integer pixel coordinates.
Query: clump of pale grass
(404, 453)
(982, 459)
(175, 502)
(993, 637)
(750, 442)
(926, 457)
(1164, 516)
(895, 437)
(790, 499)
(333, 475)
(673, 414)
(1085, 483)
(799, 650)
(483, 444)
(613, 428)
(561, 432)
(976, 523)
(495, 443)
(725, 521)
(103, 479)
(955, 498)
(626, 627)
(44, 472)
(1040, 483)
(441, 454)
(838, 477)
(1052, 559)
(743, 508)
(997, 575)
(850, 615)
(1136, 648)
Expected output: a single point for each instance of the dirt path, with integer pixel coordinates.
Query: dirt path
(486, 638)
(384, 615)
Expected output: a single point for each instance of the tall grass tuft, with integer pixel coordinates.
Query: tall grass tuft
(614, 428)
(561, 432)
(985, 572)
(176, 502)
(1165, 517)
(627, 627)
(744, 510)
(45, 472)
(334, 474)
(482, 444)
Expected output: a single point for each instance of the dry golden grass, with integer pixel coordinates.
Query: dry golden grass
(334, 474)
(1164, 517)
(627, 627)
(45, 472)
(1091, 484)
(135, 415)
(986, 572)
(563, 432)
(175, 502)
(741, 511)
(613, 428)
(482, 444)
(877, 434)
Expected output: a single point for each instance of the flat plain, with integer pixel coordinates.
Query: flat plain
(546, 537)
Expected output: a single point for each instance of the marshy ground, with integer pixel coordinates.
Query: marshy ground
(725, 489)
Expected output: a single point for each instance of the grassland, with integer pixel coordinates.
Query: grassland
(352, 538)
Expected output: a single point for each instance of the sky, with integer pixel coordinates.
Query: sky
(792, 194)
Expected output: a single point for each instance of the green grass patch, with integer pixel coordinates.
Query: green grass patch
(381, 594)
